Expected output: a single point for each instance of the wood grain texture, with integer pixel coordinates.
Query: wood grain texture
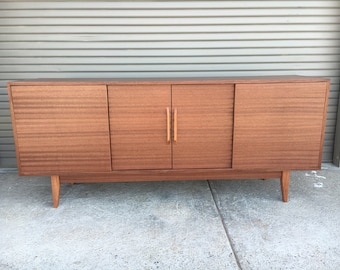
(279, 125)
(61, 129)
(55, 184)
(138, 123)
(180, 130)
(168, 175)
(284, 181)
(204, 125)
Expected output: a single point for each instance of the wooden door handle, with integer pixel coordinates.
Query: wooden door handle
(168, 126)
(175, 125)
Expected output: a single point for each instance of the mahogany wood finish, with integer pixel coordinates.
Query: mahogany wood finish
(285, 185)
(60, 128)
(55, 183)
(204, 124)
(112, 130)
(138, 123)
(279, 126)
(168, 175)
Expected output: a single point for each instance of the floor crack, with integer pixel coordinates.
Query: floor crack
(213, 194)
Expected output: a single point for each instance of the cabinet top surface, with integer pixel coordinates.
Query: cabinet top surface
(210, 80)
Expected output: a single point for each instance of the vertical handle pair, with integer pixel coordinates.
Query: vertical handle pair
(168, 125)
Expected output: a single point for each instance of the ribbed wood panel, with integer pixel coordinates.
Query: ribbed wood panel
(205, 125)
(61, 129)
(138, 124)
(46, 39)
(271, 123)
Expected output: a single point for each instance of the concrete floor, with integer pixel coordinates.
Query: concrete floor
(172, 225)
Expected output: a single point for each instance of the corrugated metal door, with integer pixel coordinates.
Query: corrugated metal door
(166, 39)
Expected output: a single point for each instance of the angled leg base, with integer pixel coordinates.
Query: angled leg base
(285, 177)
(55, 183)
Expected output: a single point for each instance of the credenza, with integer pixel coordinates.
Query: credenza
(115, 130)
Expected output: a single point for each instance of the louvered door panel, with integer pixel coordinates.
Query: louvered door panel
(204, 125)
(279, 126)
(138, 123)
(61, 129)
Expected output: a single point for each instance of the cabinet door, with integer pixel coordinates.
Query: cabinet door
(204, 125)
(139, 127)
(60, 129)
(279, 126)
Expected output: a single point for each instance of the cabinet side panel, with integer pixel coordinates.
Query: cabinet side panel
(138, 124)
(324, 122)
(205, 125)
(278, 126)
(61, 129)
(9, 88)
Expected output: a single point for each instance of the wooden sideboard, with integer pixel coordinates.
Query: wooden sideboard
(115, 130)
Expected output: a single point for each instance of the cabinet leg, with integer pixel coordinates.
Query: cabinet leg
(285, 185)
(55, 183)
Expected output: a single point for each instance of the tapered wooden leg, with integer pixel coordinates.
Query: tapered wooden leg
(55, 182)
(285, 185)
